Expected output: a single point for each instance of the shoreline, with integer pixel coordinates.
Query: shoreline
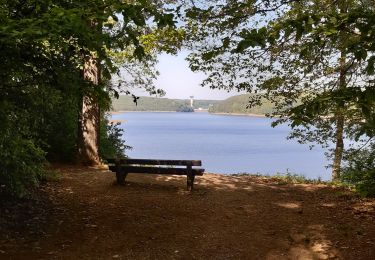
(240, 114)
(224, 114)
(117, 121)
(124, 111)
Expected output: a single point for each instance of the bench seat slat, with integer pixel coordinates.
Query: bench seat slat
(156, 162)
(156, 170)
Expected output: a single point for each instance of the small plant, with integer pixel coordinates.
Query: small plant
(247, 174)
(289, 177)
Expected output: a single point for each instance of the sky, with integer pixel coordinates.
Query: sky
(180, 82)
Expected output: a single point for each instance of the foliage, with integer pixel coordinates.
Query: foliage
(111, 142)
(21, 165)
(313, 60)
(135, 73)
(21, 159)
(360, 170)
(43, 45)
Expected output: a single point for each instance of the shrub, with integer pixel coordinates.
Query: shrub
(21, 165)
(111, 144)
(360, 171)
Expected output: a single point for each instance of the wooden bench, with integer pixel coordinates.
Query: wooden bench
(173, 167)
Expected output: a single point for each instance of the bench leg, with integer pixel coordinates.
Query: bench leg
(190, 182)
(120, 177)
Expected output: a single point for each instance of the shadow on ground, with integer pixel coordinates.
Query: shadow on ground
(85, 215)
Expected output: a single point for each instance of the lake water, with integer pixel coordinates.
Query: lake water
(225, 144)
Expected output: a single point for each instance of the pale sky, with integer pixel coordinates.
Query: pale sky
(180, 82)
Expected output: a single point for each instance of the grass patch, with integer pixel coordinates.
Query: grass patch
(285, 178)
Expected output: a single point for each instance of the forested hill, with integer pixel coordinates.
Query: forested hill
(126, 103)
(238, 104)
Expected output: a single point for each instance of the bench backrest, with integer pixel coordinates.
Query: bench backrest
(155, 162)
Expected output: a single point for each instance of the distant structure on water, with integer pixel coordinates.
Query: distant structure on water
(191, 101)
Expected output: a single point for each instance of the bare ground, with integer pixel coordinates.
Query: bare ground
(85, 215)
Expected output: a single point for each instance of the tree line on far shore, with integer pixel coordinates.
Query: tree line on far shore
(126, 103)
(237, 105)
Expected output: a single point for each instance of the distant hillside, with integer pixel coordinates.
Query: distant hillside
(237, 105)
(125, 103)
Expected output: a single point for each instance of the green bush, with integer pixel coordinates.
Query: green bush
(21, 165)
(111, 144)
(21, 159)
(360, 171)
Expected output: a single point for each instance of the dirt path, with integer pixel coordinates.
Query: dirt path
(86, 216)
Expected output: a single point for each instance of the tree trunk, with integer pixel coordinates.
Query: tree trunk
(89, 120)
(339, 149)
(340, 112)
(340, 122)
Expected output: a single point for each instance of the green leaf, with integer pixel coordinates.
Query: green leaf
(370, 69)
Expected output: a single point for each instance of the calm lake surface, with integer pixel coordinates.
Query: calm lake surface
(225, 144)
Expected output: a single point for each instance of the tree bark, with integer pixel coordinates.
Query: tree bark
(340, 112)
(89, 119)
(339, 149)
(340, 123)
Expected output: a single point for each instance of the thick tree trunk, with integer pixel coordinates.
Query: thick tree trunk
(340, 123)
(88, 129)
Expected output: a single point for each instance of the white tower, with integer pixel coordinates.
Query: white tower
(191, 101)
